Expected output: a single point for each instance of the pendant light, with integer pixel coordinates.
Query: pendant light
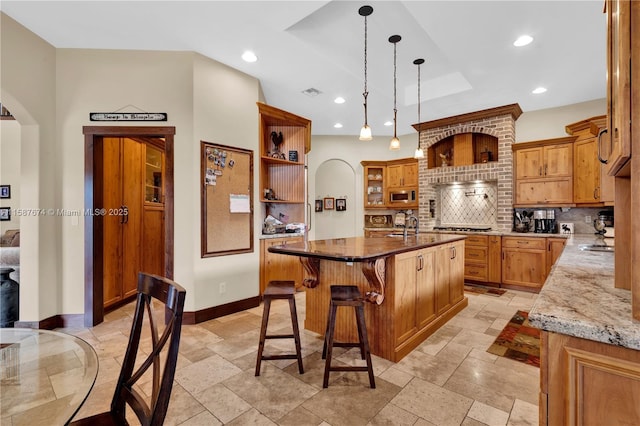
(395, 142)
(365, 132)
(419, 152)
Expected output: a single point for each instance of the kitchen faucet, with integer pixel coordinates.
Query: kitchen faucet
(407, 223)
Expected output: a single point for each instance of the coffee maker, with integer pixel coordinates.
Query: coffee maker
(544, 221)
(540, 221)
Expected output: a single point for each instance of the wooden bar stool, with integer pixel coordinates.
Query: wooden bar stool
(279, 290)
(346, 295)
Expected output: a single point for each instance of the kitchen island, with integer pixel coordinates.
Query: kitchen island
(414, 286)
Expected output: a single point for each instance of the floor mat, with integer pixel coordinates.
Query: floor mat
(518, 341)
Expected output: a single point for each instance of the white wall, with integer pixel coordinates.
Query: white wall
(10, 170)
(550, 123)
(337, 179)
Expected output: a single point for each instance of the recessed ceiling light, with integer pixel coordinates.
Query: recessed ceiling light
(539, 90)
(249, 56)
(339, 100)
(338, 125)
(523, 40)
(388, 123)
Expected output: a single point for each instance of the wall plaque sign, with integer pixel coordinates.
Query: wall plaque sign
(128, 116)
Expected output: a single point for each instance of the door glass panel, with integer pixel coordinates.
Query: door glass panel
(153, 179)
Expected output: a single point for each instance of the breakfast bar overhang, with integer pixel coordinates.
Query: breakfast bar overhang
(414, 284)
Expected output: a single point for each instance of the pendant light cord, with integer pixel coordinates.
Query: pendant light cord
(366, 93)
(395, 110)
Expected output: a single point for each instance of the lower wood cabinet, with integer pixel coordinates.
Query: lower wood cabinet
(275, 266)
(554, 250)
(482, 258)
(427, 284)
(583, 382)
(524, 261)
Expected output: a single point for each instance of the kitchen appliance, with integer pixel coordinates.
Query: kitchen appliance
(401, 196)
(540, 221)
(551, 221)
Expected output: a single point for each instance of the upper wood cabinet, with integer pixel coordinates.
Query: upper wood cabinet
(285, 139)
(544, 172)
(592, 186)
(615, 147)
(383, 177)
(402, 175)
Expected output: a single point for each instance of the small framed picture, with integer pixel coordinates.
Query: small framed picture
(5, 191)
(341, 204)
(293, 156)
(5, 213)
(328, 203)
(318, 206)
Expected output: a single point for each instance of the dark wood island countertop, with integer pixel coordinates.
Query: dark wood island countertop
(361, 249)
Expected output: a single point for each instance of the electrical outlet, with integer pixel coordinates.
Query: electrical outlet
(587, 219)
(566, 228)
(223, 288)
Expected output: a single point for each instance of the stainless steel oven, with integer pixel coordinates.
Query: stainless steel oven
(403, 196)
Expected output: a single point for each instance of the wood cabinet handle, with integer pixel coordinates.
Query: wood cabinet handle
(523, 242)
(545, 169)
(596, 193)
(602, 132)
(540, 171)
(420, 262)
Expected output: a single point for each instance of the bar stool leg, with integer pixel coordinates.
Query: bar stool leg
(296, 332)
(263, 333)
(326, 331)
(329, 343)
(364, 343)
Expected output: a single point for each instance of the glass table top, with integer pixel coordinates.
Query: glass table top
(45, 376)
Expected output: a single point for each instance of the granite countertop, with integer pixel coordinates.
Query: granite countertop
(579, 298)
(361, 249)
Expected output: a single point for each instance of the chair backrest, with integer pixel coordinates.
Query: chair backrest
(151, 410)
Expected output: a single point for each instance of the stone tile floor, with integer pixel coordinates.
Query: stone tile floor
(448, 380)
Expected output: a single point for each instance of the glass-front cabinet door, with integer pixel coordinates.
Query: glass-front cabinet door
(154, 179)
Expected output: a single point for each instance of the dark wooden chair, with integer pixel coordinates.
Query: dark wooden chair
(150, 411)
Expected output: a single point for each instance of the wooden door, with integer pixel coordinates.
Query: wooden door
(555, 246)
(558, 160)
(394, 176)
(406, 266)
(276, 266)
(494, 261)
(456, 272)
(410, 175)
(524, 267)
(425, 288)
(529, 163)
(128, 226)
(586, 175)
(442, 261)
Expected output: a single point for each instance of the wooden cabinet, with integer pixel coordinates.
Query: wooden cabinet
(592, 186)
(584, 382)
(482, 258)
(544, 172)
(374, 185)
(274, 266)
(524, 261)
(381, 178)
(428, 286)
(554, 250)
(449, 269)
(402, 175)
(285, 140)
(414, 292)
(615, 148)
(132, 196)
(527, 261)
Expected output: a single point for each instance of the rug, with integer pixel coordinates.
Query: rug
(518, 341)
(480, 289)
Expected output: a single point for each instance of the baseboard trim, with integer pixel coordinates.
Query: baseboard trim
(190, 318)
(219, 311)
(56, 321)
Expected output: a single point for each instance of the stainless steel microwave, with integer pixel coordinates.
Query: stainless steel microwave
(403, 196)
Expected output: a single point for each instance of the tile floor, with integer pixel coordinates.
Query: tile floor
(448, 380)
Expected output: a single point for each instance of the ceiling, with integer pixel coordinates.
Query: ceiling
(471, 63)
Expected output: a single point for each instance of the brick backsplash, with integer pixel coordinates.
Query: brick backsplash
(499, 173)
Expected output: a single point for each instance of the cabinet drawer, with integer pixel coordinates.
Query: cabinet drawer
(525, 243)
(477, 240)
(475, 254)
(475, 272)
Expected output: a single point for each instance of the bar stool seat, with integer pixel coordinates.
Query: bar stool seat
(346, 295)
(279, 290)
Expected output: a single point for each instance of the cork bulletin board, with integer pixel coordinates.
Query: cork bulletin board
(227, 199)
